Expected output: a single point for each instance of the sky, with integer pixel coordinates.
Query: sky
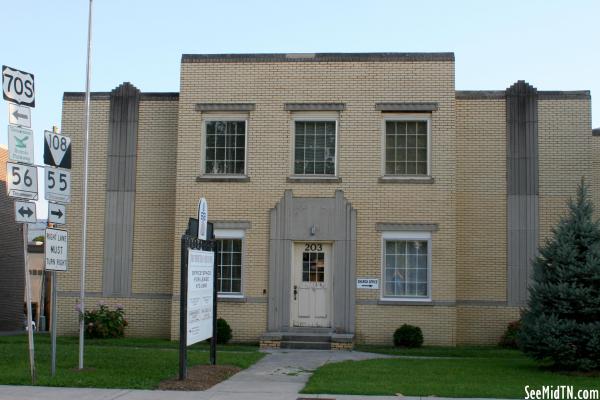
(553, 45)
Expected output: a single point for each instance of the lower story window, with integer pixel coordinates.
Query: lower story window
(406, 269)
(229, 266)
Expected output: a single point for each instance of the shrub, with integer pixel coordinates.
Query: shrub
(105, 323)
(223, 331)
(408, 336)
(509, 339)
(562, 321)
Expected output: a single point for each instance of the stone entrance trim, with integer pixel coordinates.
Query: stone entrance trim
(302, 340)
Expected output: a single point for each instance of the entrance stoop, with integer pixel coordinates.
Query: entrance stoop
(307, 341)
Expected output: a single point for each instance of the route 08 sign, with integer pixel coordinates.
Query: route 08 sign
(58, 185)
(18, 86)
(21, 181)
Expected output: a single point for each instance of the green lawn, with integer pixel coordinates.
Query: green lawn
(110, 363)
(460, 372)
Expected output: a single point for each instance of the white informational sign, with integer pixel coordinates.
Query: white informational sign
(25, 212)
(199, 295)
(58, 185)
(56, 248)
(57, 213)
(19, 115)
(17, 86)
(57, 150)
(21, 181)
(367, 283)
(202, 219)
(20, 144)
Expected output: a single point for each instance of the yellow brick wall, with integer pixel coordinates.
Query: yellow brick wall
(483, 325)
(357, 84)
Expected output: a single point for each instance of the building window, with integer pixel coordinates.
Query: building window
(314, 147)
(407, 146)
(407, 266)
(225, 148)
(230, 261)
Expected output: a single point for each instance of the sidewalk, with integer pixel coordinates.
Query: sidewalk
(278, 376)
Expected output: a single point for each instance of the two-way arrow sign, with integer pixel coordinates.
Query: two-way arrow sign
(57, 213)
(25, 212)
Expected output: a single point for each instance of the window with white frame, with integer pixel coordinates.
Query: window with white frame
(407, 141)
(314, 147)
(406, 265)
(225, 146)
(229, 261)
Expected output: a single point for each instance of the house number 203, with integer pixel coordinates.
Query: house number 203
(313, 247)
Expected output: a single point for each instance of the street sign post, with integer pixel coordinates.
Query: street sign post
(25, 212)
(56, 249)
(18, 86)
(57, 150)
(19, 115)
(21, 181)
(58, 185)
(57, 214)
(20, 144)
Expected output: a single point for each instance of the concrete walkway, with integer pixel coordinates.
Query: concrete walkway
(278, 376)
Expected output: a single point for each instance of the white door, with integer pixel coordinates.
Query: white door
(311, 285)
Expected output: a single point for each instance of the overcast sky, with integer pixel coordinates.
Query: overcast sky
(553, 45)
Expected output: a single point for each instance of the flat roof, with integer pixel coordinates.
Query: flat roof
(314, 57)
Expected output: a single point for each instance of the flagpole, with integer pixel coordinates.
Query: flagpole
(85, 186)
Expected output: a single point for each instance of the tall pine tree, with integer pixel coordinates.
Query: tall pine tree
(562, 322)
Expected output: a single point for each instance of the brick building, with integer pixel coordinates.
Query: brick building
(320, 169)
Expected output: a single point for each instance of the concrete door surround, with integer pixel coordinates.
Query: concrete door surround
(324, 219)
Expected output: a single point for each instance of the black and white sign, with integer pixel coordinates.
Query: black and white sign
(58, 185)
(56, 248)
(200, 296)
(25, 212)
(19, 115)
(21, 181)
(57, 150)
(18, 87)
(57, 213)
(367, 283)
(202, 219)
(20, 144)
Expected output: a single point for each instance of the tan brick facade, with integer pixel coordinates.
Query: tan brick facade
(467, 199)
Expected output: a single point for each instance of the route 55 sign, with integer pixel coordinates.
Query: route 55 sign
(18, 87)
(58, 185)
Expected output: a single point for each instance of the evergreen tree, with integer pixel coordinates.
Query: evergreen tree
(562, 322)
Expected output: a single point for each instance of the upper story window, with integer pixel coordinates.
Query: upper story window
(406, 266)
(315, 147)
(225, 146)
(407, 146)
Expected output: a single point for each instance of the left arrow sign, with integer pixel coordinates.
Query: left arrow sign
(25, 212)
(19, 115)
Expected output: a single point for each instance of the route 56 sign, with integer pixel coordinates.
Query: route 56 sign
(18, 87)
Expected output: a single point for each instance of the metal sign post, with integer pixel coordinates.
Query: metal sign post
(29, 316)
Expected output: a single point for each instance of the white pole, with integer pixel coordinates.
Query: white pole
(85, 183)
(28, 294)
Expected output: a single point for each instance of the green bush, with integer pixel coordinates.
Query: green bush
(105, 323)
(408, 336)
(562, 320)
(509, 339)
(223, 331)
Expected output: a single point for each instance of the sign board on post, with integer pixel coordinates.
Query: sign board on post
(19, 115)
(367, 283)
(202, 218)
(200, 296)
(58, 185)
(57, 214)
(17, 86)
(56, 249)
(20, 144)
(21, 181)
(57, 150)
(25, 212)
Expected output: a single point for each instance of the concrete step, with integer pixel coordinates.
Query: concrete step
(306, 338)
(305, 345)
